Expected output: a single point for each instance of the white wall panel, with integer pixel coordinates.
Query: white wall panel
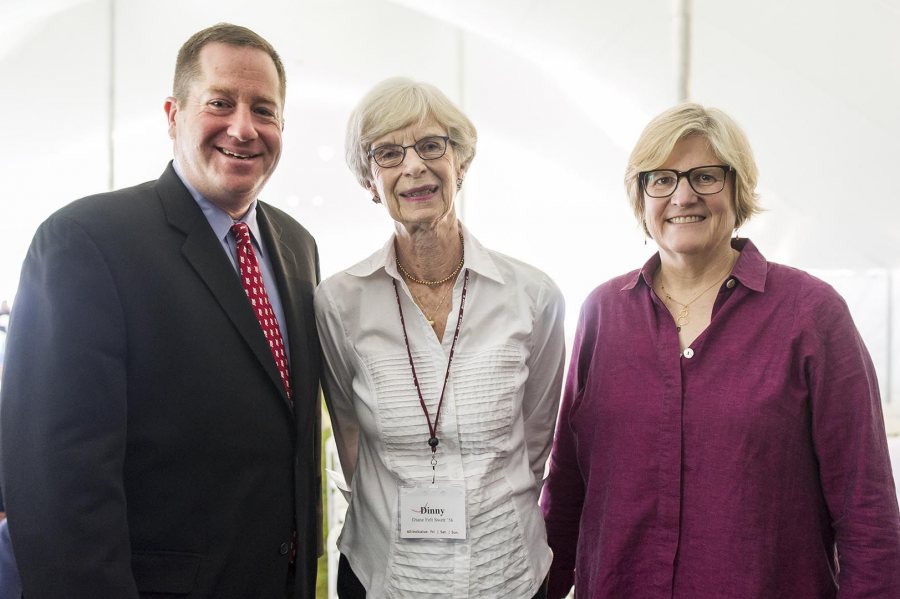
(816, 86)
(54, 100)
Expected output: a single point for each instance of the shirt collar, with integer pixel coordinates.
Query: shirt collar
(219, 220)
(478, 260)
(750, 269)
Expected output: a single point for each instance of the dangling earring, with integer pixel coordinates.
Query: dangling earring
(646, 230)
(737, 234)
(376, 199)
(459, 184)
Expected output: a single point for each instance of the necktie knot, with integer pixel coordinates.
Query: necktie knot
(241, 233)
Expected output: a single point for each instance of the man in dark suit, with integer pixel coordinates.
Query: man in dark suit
(152, 446)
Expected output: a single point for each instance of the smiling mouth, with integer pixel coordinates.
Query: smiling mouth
(681, 220)
(236, 155)
(420, 192)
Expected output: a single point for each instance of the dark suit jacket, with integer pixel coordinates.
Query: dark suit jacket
(147, 444)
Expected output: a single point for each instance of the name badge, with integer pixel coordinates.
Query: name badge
(433, 511)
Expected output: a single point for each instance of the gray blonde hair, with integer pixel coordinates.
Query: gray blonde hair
(398, 103)
(726, 139)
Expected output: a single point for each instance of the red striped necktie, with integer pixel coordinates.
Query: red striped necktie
(252, 280)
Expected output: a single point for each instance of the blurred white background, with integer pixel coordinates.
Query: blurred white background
(559, 91)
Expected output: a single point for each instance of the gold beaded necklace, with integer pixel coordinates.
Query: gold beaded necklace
(455, 272)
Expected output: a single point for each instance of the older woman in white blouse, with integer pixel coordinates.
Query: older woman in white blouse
(444, 367)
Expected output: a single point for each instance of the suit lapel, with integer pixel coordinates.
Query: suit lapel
(285, 264)
(204, 252)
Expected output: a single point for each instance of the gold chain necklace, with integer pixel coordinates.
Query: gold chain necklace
(453, 274)
(684, 314)
(430, 317)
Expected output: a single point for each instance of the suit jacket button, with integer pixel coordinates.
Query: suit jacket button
(284, 548)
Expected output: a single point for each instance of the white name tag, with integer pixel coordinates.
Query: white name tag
(433, 512)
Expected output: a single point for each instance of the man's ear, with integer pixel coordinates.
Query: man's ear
(171, 108)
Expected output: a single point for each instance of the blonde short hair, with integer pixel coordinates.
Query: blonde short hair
(187, 64)
(395, 104)
(726, 139)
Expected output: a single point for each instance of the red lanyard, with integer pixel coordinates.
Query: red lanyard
(432, 429)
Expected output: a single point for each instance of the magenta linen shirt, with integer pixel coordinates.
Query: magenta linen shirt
(757, 467)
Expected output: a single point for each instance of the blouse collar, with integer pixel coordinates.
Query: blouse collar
(478, 260)
(750, 269)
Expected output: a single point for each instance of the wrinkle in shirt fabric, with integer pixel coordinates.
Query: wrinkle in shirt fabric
(737, 472)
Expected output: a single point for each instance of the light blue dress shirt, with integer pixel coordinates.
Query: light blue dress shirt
(221, 224)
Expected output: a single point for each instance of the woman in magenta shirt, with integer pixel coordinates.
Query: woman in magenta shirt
(721, 432)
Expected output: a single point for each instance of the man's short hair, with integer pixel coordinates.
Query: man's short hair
(187, 65)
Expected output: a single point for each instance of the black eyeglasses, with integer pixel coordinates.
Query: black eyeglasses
(428, 148)
(705, 180)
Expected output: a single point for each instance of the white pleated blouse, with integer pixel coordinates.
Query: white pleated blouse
(495, 428)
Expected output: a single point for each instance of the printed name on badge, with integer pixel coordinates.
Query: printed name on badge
(433, 512)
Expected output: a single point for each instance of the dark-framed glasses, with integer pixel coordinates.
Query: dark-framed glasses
(704, 180)
(428, 148)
